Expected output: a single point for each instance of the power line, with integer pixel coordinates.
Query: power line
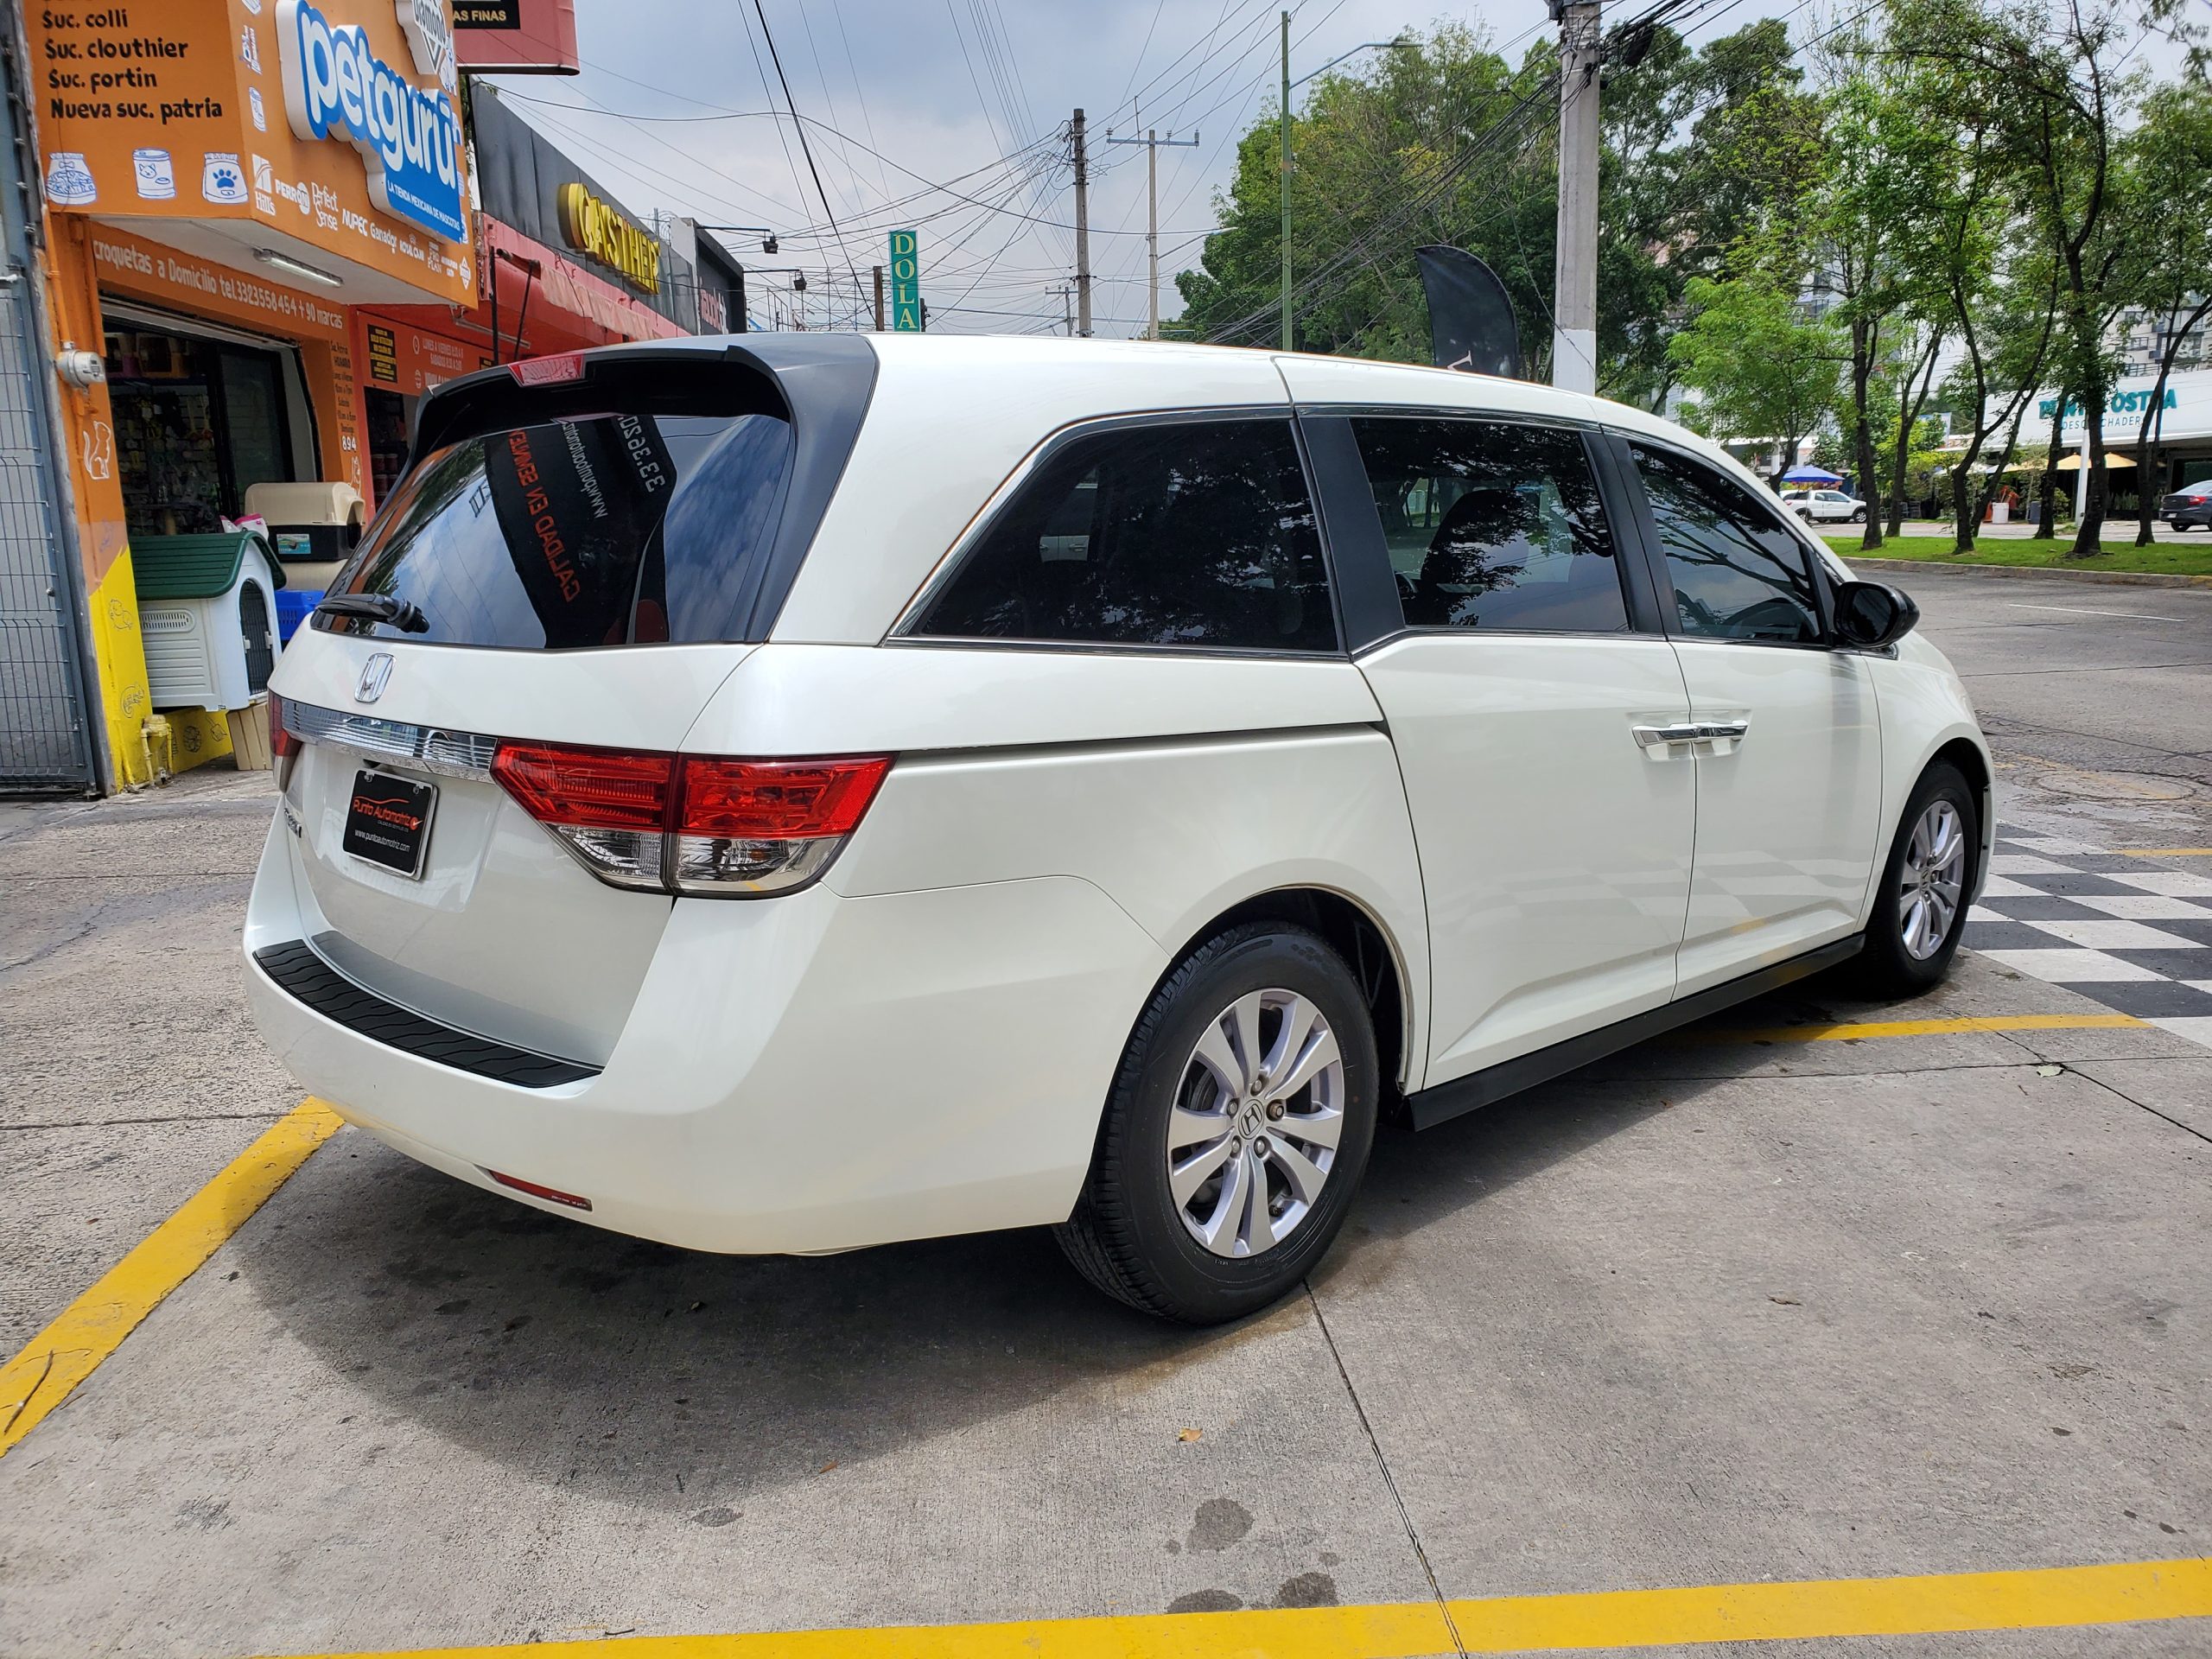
(806, 148)
(802, 231)
(1364, 251)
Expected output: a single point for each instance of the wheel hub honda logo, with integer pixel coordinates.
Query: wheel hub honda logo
(374, 673)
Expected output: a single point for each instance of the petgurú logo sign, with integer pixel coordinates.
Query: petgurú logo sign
(335, 87)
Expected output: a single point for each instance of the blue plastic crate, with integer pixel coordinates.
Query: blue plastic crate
(293, 608)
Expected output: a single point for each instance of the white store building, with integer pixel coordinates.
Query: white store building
(2181, 427)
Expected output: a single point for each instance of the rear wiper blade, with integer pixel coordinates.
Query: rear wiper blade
(377, 607)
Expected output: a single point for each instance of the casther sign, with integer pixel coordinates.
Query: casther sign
(593, 225)
(335, 87)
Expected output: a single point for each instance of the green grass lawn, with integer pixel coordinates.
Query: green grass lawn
(2192, 558)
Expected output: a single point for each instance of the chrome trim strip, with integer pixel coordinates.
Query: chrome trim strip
(449, 755)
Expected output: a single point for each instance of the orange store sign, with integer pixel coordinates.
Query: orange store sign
(332, 126)
(202, 287)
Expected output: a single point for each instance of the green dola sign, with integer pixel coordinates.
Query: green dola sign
(906, 284)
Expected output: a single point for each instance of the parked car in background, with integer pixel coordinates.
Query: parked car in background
(835, 789)
(1825, 506)
(2189, 507)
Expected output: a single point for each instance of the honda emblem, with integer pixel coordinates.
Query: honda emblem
(374, 674)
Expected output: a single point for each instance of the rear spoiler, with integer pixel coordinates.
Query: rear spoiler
(820, 382)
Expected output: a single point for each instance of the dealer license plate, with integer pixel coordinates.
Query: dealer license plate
(388, 821)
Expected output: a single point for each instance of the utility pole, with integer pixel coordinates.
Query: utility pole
(1286, 343)
(1152, 141)
(879, 299)
(1152, 230)
(1065, 295)
(1082, 227)
(1574, 304)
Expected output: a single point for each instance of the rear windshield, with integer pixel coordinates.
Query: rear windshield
(600, 530)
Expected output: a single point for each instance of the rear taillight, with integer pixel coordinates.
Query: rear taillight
(692, 824)
(609, 808)
(282, 742)
(766, 826)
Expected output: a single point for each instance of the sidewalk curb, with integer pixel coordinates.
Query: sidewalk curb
(2116, 578)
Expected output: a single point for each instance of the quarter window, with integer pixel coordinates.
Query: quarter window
(1738, 573)
(1492, 526)
(1182, 533)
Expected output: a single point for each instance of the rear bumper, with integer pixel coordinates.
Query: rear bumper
(811, 1073)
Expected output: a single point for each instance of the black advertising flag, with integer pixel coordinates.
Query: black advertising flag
(577, 501)
(1471, 324)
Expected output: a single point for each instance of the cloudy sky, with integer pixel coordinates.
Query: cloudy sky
(948, 116)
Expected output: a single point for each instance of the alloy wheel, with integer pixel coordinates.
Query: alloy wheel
(1258, 1115)
(1931, 884)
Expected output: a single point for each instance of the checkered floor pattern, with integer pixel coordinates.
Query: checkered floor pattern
(2136, 939)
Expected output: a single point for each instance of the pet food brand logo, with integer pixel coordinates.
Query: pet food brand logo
(428, 30)
(335, 87)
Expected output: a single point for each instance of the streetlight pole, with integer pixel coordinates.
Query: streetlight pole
(767, 236)
(1400, 44)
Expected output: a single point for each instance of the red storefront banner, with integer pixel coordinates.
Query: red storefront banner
(515, 37)
(546, 303)
(581, 302)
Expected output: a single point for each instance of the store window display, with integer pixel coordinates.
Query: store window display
(197, 423)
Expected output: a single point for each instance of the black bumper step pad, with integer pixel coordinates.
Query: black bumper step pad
(308, 979)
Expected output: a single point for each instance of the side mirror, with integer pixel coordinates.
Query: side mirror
(1872, 615)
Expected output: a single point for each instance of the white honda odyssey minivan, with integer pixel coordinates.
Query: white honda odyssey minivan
(810, 791)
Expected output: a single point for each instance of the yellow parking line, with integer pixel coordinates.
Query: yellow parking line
(2051, 1598)
(2166, 852)
(1853, 1031)
(94, 1326)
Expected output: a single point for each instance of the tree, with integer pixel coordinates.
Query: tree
(2065, 100)
(1761, 366)
(2058, 87)
(2169, 177)
(1914, 371)
(1970, 254)
(1451, 144)
(1882, 156)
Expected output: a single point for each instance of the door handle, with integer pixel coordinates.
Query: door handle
(1708, 730)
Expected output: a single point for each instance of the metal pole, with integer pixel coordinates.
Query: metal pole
(1288, 345)
(1152, 228)
(1574, 305)
(879, 299)
(1081, 228)
(1152, 141)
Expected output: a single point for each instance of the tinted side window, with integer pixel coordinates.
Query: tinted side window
(1186, 533)
(1491, 524)
(1738, 575)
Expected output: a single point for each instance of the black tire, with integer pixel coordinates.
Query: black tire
(1885, 968)
(1126, 1235)
(1859, 517)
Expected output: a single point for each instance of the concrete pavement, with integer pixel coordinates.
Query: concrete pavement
(1717, 1311)
(2097, 700)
